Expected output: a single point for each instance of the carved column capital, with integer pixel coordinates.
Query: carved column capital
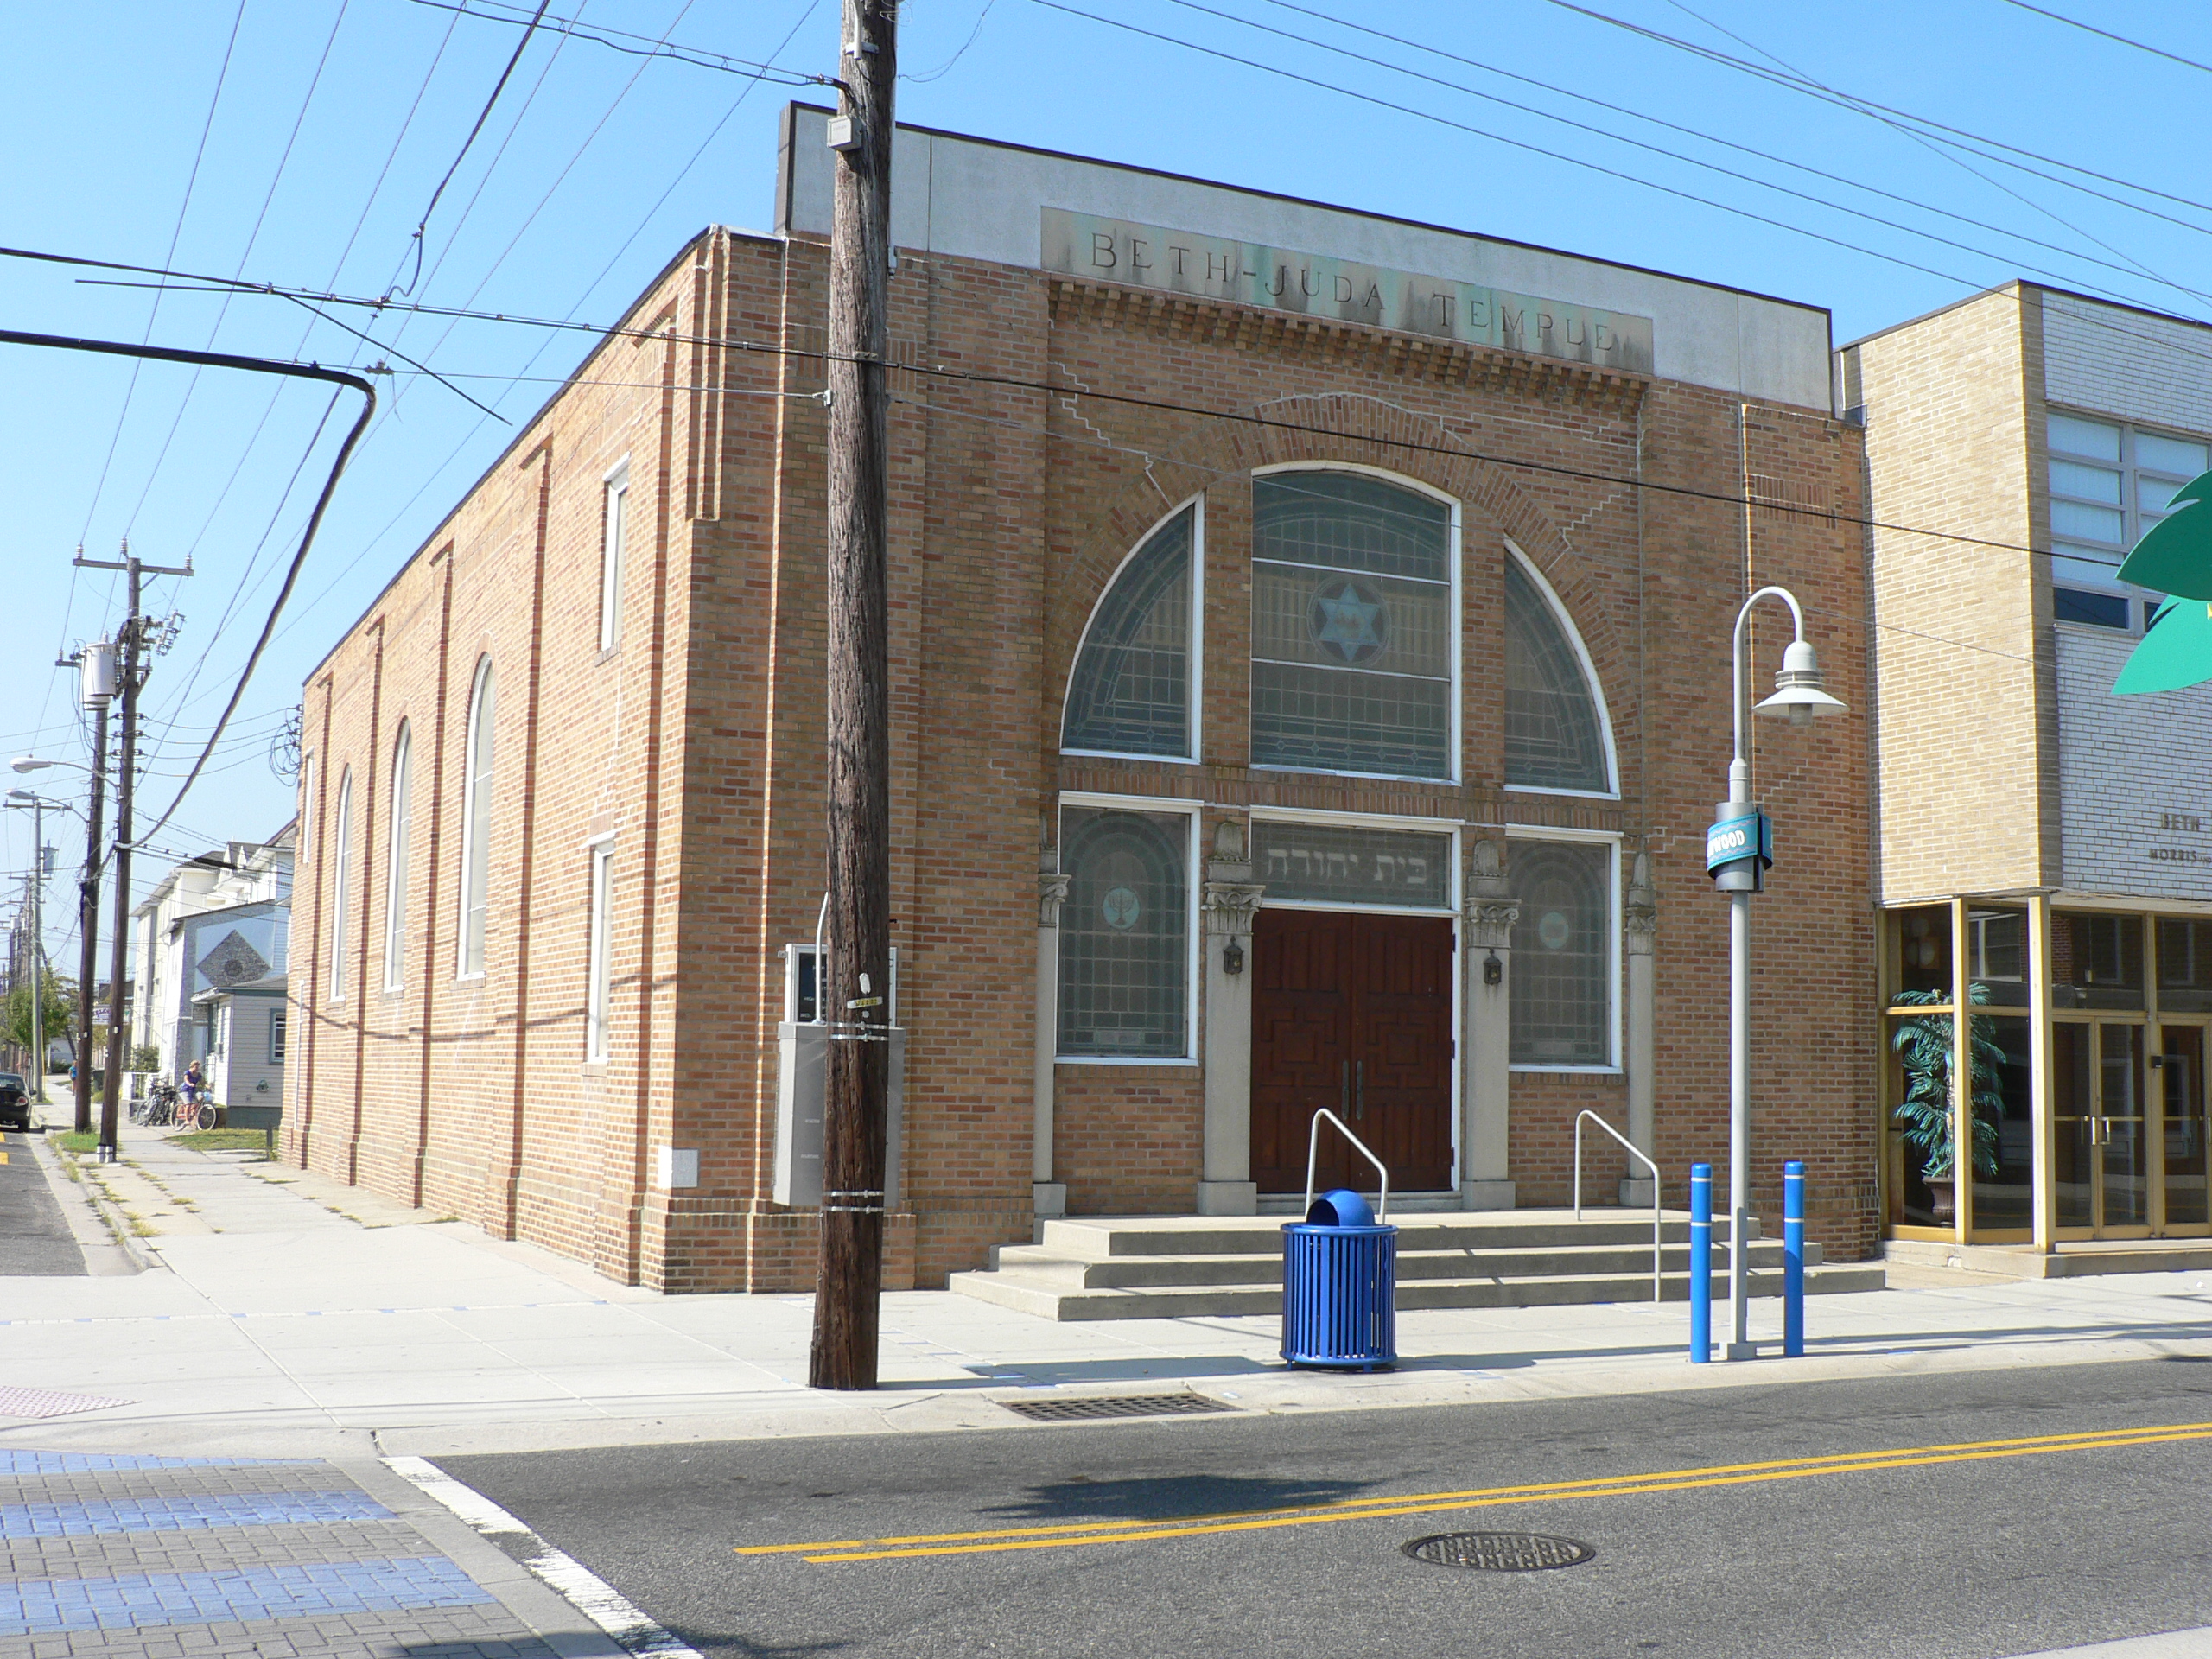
(1640, 906)
(1490, 919)
(1052, 894)
(1230, 906)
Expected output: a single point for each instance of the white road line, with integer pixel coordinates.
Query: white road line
(583, 1589)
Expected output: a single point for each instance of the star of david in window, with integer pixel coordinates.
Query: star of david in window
(1349, 621)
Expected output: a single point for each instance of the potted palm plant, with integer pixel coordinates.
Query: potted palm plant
(1922, 1045)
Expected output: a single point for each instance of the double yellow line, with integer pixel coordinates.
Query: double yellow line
(1069, 1536)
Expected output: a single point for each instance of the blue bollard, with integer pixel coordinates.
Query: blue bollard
(1793, 1259)
(1700, 1263)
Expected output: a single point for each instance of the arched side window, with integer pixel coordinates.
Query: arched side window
(1130, 692)
(476, 824)
(1353, 626)
(1556, 733)
(395, 865)
(341, 854)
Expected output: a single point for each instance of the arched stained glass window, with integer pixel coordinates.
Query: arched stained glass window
(1130, 693)
(1554, 737)
(1351, 625)
(1562, 954)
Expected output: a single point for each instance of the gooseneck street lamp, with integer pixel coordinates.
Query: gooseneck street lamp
(1738, 849)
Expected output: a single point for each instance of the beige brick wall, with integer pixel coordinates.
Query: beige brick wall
(1965, 699)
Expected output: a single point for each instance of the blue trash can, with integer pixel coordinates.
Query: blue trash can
(1340, 1286)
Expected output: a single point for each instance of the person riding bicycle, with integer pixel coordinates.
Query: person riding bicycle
(194, 1083)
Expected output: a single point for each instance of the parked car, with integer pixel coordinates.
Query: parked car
(15, 1101)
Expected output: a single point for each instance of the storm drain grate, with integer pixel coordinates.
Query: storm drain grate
(1499, 1552)
(1127, 1405)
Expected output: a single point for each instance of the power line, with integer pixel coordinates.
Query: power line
(268, 198)
(970, 377)
(2091, 28)
(1854, 101)
(600, 34)
(482, 115)
(2132, 268)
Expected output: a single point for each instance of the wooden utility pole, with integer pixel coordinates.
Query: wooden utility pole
(97, 679)
(855, 980)
(132, 641)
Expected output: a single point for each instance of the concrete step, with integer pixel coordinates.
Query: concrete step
(1045, 1265)
(1050, 1301)
(1096, 1238)
(2072, 1260)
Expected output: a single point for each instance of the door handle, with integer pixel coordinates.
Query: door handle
(1359, 1099)
(1344, 1090)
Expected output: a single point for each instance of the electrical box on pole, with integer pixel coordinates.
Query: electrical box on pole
(96, 674)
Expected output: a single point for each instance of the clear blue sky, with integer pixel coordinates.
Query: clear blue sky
(335, 121)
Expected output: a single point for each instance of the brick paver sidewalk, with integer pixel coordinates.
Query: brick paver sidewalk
(131, 1556)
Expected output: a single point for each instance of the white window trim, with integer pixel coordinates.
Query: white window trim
(599, 950)
(340, 895)
(1449, 828)
(278, 1034)
(463, 889)
(1456, 698)
(1566, 620)
(1192, 958)
(1612, 1068)
(396, 860)
(612, 537)
(1196, 683)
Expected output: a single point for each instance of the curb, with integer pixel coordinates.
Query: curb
(118, 1225)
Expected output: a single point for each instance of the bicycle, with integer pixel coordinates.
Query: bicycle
(157, 1108)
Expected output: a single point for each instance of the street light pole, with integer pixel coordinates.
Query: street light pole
(96, 664)
(1798, 698)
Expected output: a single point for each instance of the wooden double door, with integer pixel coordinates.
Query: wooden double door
(1352, 1012)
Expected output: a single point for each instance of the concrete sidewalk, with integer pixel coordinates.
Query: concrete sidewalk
(287, 1316)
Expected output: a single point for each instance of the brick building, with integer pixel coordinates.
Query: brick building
(2044, 856)
(1310, 642)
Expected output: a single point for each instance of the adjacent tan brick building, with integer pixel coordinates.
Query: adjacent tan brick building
(2042, 844)
(1310, 644)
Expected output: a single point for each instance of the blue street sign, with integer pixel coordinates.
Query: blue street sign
(1733, 840)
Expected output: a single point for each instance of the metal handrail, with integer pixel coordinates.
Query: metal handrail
(1313, 1146)
(1629, 1146)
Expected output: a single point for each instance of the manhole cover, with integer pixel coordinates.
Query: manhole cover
(1128, 1405)
(1499, 1552)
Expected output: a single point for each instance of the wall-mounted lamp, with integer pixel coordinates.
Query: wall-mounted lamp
(1232, 956)
(1493, 969)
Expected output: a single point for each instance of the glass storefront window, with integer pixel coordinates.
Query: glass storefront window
(1125, 943)
(1919, 1050)
(2096, 961)
(2181, 1072)
(2003, 1190)
(2185, 966)
(2074, 1113)
(1997, 955)
(1923, 943)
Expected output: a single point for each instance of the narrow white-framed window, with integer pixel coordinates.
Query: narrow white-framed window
(342, 849)
(395, 865)
(614, 511)
(476, 825)
(1355, 623)
(598, 951)
(1128, 934)
(277, 1037)
(1133, 688)
(1565, 1011)
(307, 806)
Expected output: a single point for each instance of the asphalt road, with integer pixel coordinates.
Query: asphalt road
(35, 1237)
(1965, 1557)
